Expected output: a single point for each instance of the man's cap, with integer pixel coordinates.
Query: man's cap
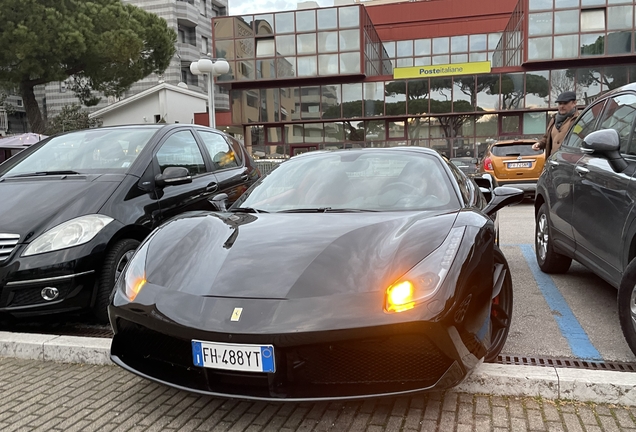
(566, 96)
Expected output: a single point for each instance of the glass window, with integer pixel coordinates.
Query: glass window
(593, 44)
(510, 124)
(328, 64)
(493, 40)
(245, 70)
(441, 95)
(540, 4)
(306, 20)
(537, 89)
(327, 19)
(328, 42)
(540, 24)
(512, 91)
(181, 150)
(486, 126)
(615, 77)
(350, 63)
(395, 97)
(566, 21)
(463, 93)
(265, 47)
(619, 114)
(285, 22)
(478, 42)
(459, 58)
(264, 24)
(294, 133)
(440, 59)
(352, 100)
(478, 56)
(418, 96)
(540, 48)
(285, 67)
(422, 61)
(374, 130)
(404, 48)
(225, 49)
(223, 28)
(593, 19)
(244, 26)
(390, 48)
(620, 17)
(396, 129)
(373, 93)
(349, 16)
(307, 66)
(422, 47)
(583, 126)
(459, 44)
(350, 40)
(564, 4)
(619, 42)
(588, 84)
(418, 129)
(534, 123)
(306, 43)
(244, 48)
(487, 90)
(313, 132)
(560, 81)
(265, 69)
(219, 150)
(566, 46)
(334, 132)
(404, 62)
(286, 45)
(441, 45)
(592, 2)
(331, 101)
(274, 134)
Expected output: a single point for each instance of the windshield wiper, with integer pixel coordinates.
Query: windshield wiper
(247, 210)
(349, 210)
(45, 173)
(326, 210)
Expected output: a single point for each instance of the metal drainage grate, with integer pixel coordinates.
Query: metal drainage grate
(68, 329)
(567, 363)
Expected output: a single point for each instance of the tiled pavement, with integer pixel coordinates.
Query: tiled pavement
(48, 396)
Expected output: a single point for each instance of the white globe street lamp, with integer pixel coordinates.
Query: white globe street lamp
(211, 68)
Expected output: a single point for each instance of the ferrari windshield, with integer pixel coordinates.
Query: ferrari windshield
(86, 151)
(354, 180)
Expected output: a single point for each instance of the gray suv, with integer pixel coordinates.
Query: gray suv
(584, 208)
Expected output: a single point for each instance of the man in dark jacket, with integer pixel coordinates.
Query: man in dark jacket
(559, 124)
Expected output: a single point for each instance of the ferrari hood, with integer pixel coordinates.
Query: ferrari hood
(34, 205)
(286, 256)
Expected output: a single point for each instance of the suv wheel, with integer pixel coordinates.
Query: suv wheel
(548, 259)
(627, 305)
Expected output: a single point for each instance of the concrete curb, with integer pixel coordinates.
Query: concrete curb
(502, 380)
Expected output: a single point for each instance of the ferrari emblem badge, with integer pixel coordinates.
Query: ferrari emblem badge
(236, 315)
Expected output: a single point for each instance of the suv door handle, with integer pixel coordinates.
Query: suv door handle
(212, 187)
(581, 171)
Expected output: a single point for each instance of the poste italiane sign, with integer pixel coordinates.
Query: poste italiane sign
(441, 70)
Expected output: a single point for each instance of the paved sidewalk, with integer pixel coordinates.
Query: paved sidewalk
(49, 396)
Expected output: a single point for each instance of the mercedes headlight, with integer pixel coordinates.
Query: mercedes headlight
(425, 279)
(68, 234)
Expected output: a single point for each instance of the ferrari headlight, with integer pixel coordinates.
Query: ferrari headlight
(134, 276)
(423, 280)
(68, 234)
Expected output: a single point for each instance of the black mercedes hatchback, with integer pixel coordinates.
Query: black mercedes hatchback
(584, 208)
(74, 207)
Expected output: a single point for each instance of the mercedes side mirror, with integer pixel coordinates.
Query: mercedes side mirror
(219, 202)
(503, 196)
(173, 176)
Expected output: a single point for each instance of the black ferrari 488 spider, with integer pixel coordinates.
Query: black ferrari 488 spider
(341, 274)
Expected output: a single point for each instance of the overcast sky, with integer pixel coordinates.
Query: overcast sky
(243, 7)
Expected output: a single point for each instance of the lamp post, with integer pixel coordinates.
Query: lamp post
(210, 67)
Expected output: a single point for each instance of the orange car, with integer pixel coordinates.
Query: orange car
(515, 163)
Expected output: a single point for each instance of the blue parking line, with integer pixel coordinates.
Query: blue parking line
(570, 327)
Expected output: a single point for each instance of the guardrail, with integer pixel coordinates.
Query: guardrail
(266, 166)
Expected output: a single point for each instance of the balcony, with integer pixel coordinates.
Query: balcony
(187, 14)
(188, 53)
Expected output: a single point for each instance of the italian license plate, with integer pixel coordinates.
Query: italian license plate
(519, 164)
(247, 358)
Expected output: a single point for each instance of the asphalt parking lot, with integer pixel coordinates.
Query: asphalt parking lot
(573, 315)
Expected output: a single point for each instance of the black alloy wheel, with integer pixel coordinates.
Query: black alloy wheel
(548, 259)
(114, 263)
(501, 306)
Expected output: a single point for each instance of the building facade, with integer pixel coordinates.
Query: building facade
(192, 20)
(453, 75)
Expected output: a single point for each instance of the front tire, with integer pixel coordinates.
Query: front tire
(548, 259)
(114, 263)
(501, 307)
(627, 305)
